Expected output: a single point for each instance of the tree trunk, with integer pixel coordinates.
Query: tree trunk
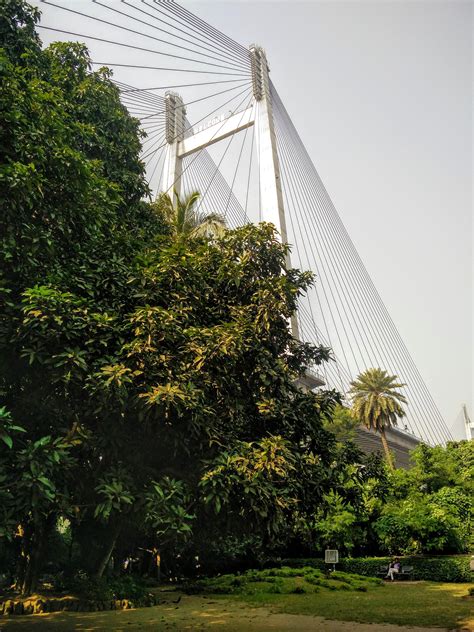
(108, 551)
(388, 454)
(34, 556)
(20, 570)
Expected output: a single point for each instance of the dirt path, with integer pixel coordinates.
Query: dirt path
(194, 613)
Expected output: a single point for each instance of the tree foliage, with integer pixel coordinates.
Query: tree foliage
(186, 220)
(377, 402)
(430, 506)
(154, 376)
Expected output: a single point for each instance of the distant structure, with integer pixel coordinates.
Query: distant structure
(468, 424)
(400, 442)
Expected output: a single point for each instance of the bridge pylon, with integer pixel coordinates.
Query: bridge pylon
(468, 424)
(182, 143)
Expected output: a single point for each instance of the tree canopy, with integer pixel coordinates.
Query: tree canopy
(377, 402)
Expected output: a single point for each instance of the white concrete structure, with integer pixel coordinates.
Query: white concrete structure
(175, 121)
(468, 424)
(260, 115)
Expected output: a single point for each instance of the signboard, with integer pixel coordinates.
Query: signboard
(331, 556)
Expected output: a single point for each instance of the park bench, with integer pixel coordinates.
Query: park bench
(405, 572)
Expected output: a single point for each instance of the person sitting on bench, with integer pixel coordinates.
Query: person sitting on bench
(393, 567)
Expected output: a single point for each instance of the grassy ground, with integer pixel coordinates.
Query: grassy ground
(349, 597)
(282, 599)
(423, 604)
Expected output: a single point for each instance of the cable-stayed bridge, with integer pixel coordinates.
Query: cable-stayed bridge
(214, 122)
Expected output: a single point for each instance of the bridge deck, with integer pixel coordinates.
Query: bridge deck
(400, 444)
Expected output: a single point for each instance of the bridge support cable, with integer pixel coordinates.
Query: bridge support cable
(325, 243)
(327, 284)
(287, 191)
(386, 365)
(206, 175)
(204, 26)
(420, 392)
(191, 36)
(333, 371)
(328, 239)
(241, 67)
(424, 419)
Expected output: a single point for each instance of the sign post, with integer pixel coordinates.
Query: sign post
(331, 556)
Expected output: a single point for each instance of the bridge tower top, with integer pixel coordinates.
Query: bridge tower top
(259, 114)
(468, 423)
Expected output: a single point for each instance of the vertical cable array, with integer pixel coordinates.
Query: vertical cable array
(344, 300)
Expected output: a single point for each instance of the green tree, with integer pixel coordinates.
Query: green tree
(186, 220)
(377, 403)
(36, 477)
(342, 424)
(429, 506)
(419, 525)
(71, 225)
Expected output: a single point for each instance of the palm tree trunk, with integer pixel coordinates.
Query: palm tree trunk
(388, 454)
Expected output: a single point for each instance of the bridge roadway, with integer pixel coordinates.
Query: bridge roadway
(400, 443)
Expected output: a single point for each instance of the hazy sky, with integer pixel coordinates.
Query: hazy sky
(380, 93)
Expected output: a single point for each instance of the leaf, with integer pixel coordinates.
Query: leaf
(8, 440)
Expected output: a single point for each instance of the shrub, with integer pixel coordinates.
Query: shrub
(438, 569)
(103, 589)
(127, 587)
(345, 587)
(298, 590)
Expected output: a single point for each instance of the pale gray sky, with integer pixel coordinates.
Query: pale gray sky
(381, 94)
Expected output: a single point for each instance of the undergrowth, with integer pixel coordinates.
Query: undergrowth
(284, 580)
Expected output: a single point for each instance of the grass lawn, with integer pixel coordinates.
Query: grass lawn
(287, 600)
(352, 597)
(423, 604)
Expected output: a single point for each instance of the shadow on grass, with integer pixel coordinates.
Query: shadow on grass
(459, 593)
(162, 617)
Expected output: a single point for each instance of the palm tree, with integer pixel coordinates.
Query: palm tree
(377, 403)
(186, 219)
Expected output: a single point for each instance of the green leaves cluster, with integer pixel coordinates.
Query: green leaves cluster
(431, 508)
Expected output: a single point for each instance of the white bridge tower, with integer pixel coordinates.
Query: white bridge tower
(259, 114)
(468, 423)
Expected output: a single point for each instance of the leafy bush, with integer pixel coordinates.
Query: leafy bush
(298, 590)
(103, 589)
(438, 569)
(280, 581)
(128, 587)
(88, 588)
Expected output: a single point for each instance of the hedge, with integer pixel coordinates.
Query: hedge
(437, 569)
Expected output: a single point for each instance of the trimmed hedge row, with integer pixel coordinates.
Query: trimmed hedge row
(437, 569)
